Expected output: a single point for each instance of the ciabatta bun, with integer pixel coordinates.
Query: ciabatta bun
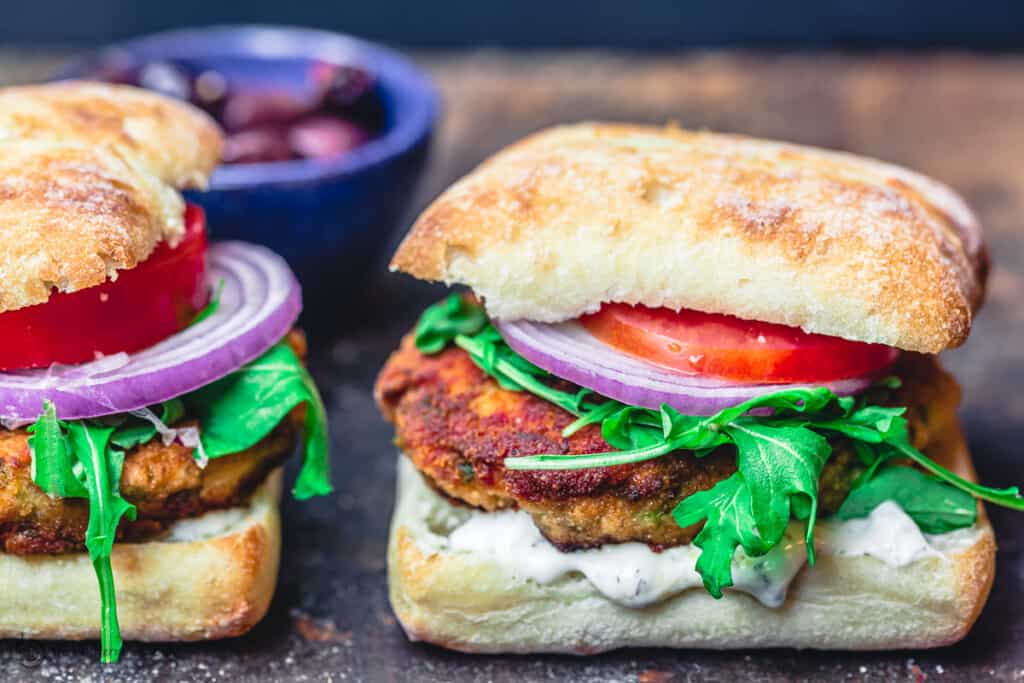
(212, 578)
(574, 216)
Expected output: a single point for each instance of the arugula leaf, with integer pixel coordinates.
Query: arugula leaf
(77, 460)
(442, 322)
(596, 416)
(899, 440)
(52, 462)
(240, 409)
(511, 370)
(134, 431)
(869, 423)
(779, 463)
(626, 428)
(785, 404)
(935, 507)
(102, 465)
(727, 509)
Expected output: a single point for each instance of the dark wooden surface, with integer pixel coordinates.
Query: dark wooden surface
(958, 117)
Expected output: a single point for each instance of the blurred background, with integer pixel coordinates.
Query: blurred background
(349, 170)
(639, 24)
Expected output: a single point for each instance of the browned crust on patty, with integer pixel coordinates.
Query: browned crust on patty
(457, 426)
(573, 216)
(163, 482)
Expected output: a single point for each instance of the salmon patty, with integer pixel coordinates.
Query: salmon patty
(457, 425)
(164, 483)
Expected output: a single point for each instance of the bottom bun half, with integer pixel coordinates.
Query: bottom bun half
(466, 601)
(210, 577)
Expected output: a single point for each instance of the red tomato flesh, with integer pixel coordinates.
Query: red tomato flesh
(143, 306)
(715, 345)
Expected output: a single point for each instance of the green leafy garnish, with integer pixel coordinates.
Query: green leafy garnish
(936, 507)
(442, 322)
(135, 432)
(102, 466)
(53, 464)
(77, 460)
(240, 409)
(84, 458)
(780, 466)
(512, 371)
(728, 522)
(782, 442)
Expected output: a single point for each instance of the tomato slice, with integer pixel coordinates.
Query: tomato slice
(726, 347)
(144, 305)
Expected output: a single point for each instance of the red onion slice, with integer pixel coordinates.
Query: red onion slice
(259, 302)
(569, 351)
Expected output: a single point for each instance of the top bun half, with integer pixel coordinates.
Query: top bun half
(571, 217)
(89, 180)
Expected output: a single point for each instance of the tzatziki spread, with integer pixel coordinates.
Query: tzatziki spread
(633, 575)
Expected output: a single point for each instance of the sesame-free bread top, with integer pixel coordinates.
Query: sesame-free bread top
(574, 216)
(89, 178)
(178, 143)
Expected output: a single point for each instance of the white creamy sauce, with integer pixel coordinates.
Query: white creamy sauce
(633, 575)
(888, 534)
(208, 525)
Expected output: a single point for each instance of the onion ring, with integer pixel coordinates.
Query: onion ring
(259, 302)
(567, 350)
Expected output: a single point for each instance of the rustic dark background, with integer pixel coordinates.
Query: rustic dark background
(959, 117)
(637, 24)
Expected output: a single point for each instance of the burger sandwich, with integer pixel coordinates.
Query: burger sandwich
(151, 385)
(690, 399)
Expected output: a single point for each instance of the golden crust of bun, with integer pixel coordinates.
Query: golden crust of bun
(469, 603)
(574, 216)
(178, 143)
(212, 581)
(88, 178)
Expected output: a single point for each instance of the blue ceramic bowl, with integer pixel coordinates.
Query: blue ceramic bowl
(329, 217)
